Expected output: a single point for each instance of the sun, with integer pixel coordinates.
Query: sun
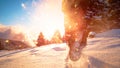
(48, 23)
(52, 22)
(47, 17)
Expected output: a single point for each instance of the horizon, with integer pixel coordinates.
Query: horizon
(34, 15)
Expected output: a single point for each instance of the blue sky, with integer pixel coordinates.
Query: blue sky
(34, 15)
(12, 11)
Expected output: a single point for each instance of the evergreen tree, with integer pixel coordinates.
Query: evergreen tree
(40, 40)
(56, 37)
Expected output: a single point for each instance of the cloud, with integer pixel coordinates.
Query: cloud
(15, 33)
(23, 5)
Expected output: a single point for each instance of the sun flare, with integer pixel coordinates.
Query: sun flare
(47, 18)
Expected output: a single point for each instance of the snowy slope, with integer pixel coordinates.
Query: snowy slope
(101, 52)
(110, 33)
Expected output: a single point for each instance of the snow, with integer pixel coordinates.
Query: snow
(101, 52)
(110, 33)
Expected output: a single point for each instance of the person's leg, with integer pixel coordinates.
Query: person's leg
(74, 23)
(69, 41)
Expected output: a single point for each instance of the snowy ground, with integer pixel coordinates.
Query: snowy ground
(101, 52)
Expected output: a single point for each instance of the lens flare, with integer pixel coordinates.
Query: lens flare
(47, 18)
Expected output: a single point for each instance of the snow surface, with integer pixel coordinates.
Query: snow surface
(100, 52)
(110, 33)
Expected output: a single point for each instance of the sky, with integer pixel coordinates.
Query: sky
(34, 15)
(12, 11)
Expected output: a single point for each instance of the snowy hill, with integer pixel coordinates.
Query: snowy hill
(101, 52)
(6, 44)
(110, 33)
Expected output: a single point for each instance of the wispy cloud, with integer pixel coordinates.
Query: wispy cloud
(23, 5)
